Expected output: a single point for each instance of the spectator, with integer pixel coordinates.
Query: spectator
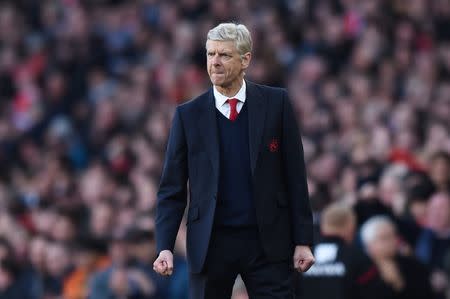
(434, 241)
(35, 271)
(440, 171)
(143, 250)
(404, 275)
(418, 190)
(89, 258)
(343, 268)
(58, 265)
(121, 279)
(9, 287)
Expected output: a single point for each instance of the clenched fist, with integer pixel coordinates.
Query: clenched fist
(164, 263)
(303, 258)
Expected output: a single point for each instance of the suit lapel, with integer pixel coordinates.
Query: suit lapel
(207, 123)
(257, 106)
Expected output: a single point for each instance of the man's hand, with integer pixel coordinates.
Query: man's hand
(164, 263)
(303, 258)
(391, 274)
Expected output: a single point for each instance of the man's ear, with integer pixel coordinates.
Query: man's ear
(245, 60)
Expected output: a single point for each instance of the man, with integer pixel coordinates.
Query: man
(404, 276)
(434, 241)
(238, 145)
(123, 278)
(345, 271)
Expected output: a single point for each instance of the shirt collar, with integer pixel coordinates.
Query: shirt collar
(222, 99)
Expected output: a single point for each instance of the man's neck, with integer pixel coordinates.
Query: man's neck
(337, 234)
(232, 90)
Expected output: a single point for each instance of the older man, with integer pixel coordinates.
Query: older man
(239, 147)
(404, 276)
(342, 271)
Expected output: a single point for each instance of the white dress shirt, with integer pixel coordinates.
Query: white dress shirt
(221, 100)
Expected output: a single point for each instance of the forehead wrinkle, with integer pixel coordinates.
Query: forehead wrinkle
(220, 46)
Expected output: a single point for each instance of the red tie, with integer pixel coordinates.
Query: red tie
(233, 110)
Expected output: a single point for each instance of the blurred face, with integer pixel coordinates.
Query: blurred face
(156, 126)
(384, 243)
(101, 219)
(418, 210)
(44, 220)
(4, 252)
(55, 86)
(20, 242)
(224, 63)
(57, 260)
(438, 213)
(118, 251)
(146, 191)
(38, 247)
(64, 229)
(146, 222)
(92, 184)
(440, 171)
(119, 281)
(125, 217)
(6, 279)
(389, 188)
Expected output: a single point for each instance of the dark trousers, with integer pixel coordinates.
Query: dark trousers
(239, 251)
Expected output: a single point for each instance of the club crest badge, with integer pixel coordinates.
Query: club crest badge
(274, 145)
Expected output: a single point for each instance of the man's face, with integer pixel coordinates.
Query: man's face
(224, 62)
(384, 245)
(438, 213)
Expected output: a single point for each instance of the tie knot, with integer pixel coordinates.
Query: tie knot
(233, 102)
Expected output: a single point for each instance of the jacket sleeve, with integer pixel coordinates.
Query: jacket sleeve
(172, 193)
(295, 176)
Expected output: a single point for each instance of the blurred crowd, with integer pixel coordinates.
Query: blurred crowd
(87, 92)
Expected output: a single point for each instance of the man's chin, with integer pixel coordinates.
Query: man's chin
(217, 82)
(217, 78)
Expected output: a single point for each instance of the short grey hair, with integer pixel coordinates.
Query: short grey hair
(232, 32)
(370, 227)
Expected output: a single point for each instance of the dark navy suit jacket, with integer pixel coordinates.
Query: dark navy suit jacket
(278, 175)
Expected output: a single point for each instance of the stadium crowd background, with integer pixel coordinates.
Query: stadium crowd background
(88, 88)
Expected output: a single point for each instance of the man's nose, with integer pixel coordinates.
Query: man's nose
(216, 60)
